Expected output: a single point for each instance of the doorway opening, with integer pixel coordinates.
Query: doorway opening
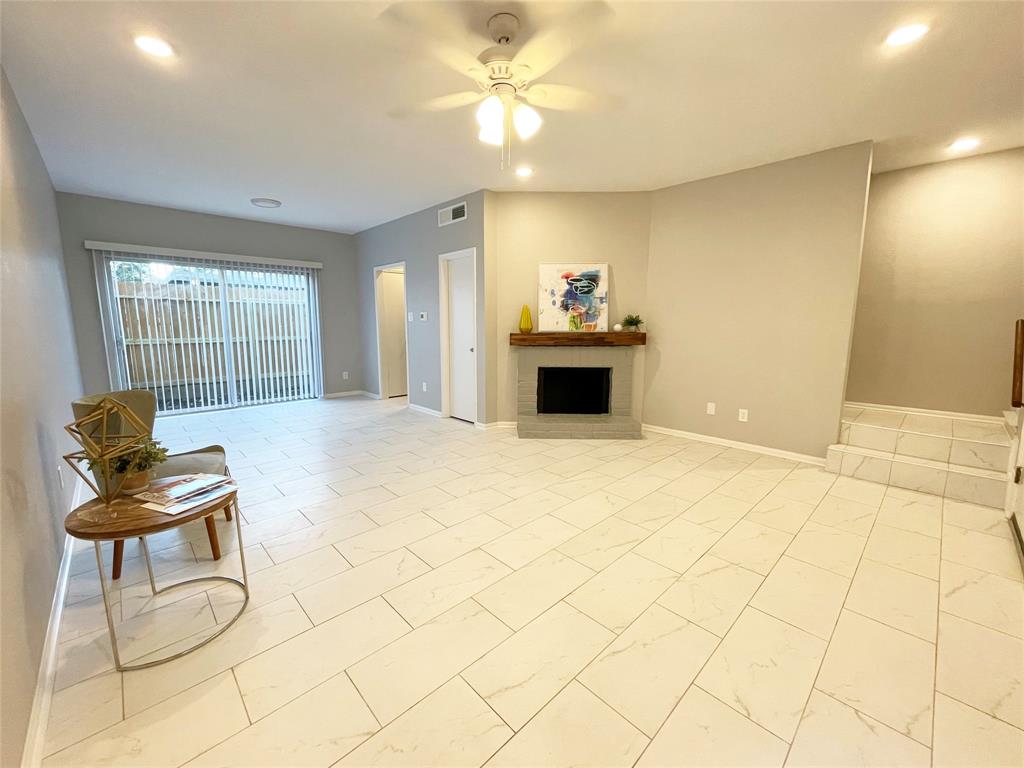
(392, 344)
(457, 282)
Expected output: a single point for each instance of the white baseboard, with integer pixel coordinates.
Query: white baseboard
(496, 425)
(927, 412)
(348, 393)
(777, 452)
(423, 409)
(35, 736)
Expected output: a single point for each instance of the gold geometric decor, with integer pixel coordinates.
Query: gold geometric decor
(109, 431)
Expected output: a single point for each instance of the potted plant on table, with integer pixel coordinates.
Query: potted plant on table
(136, 467)
(632, 322)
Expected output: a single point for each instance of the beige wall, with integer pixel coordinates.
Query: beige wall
(38, 379)
(941, 285)
(534, 228)
(751, 287)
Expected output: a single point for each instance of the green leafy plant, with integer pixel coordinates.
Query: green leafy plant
(151, 454)
(632, 321)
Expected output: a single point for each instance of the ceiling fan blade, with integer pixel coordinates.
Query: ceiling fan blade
(550, 45)
(441, 103)
(566, 97)
(440, 30)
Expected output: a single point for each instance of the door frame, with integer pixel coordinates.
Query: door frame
(377, 271)
(443, 262)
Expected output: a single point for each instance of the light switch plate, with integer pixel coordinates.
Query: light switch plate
(743, 414)
(710, 410)
(411, 316)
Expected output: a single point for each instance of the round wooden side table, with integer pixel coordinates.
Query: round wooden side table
(126, 518)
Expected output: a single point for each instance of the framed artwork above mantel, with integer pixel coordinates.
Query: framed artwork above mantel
(572, 298)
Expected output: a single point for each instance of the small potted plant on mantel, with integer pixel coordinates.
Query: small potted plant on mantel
(136, 467)
(632, 322)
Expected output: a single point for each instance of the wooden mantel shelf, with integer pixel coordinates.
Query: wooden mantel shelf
(579, 339)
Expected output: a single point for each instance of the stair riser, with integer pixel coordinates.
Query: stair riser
(963, 452)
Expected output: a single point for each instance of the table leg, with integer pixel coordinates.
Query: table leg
(211, 532)
(118, 557)
(106, 604)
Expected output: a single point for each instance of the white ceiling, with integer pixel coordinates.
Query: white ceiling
(291, 100)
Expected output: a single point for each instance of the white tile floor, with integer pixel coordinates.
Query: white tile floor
(426, 593)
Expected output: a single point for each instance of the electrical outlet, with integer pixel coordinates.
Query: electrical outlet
(424, 386)
(60, 475)
(411, 317)
(743, 414)
(710, 410)
(423, 316)
(344, 375)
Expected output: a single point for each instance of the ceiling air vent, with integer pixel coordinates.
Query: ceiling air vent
(451, 214)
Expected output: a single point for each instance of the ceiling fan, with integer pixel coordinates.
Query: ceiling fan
(506, 73)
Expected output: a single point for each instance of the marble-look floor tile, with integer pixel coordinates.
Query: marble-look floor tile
(606, 542)
(900, 599)
(846, 515)
(450, 727)
(82, 710)
(712, 593)
(575, 729)
(703, 732)
(833, 734)
(717, 512)
(678, 545)
(745, 488)
(882, 672)
(967, 738)
(387, 538)
(462, 508)
(453, 542)
(993, 554)
(855, 489)
(315, 729)
(433, 593)
(981, 667)
(764, 669)
(591, 509)
(923, 517)
(392, 508)
(284, 672)
(254, 632)
(803, 595)
(346, 590)
(649, 666)
(170, 733)
(654, 511)
(691, 487)
(520, 546)
(622, 591)
(752, 545)
(983, 598)
(636, 486)
(826, 547)
(908, 551)
(523, 673)
(975, 517)
(306, 540)
(526, 509)
(525, 594)
(780, 513)
(344, 505)
(398, 675)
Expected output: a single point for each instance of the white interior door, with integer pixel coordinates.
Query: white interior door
(462, 338)
(393, 342)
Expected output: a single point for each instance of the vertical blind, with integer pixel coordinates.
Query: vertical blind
(205, 332)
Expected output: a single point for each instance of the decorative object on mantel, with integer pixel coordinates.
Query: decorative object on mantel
(632, 322)
(577, 339)
(617, 327)
(138, 469)
(573, 297)
(525, 320)
(109, 433)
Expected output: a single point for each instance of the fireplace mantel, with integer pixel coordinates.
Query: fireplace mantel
(578, 339)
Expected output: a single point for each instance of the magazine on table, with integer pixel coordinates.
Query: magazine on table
(182, 488)
(214, 487)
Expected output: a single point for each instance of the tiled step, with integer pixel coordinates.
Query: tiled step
(966, 442)
(954, 481)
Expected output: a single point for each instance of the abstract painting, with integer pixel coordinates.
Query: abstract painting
(573, 297)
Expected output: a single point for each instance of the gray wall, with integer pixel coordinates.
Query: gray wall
(95, 218)
(38, 378)
(751, 289)
(542, 227)
(941, 285)
(418, 241)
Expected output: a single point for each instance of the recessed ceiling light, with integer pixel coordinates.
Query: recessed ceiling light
(964, 144)
(523, 172)
(265, 202)
(154, 46)
(906, 35)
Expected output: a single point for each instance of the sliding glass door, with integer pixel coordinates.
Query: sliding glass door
(204, 334)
